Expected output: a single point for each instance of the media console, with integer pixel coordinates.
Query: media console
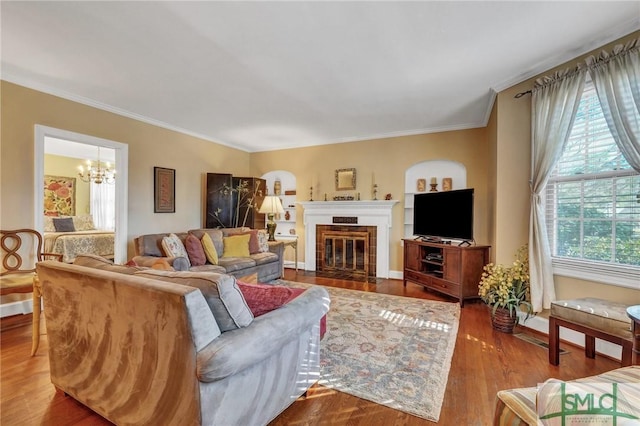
(449, 269)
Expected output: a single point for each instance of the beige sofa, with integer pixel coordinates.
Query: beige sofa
(138, 348)
(266, 265)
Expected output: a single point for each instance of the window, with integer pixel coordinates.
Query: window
(593, 203)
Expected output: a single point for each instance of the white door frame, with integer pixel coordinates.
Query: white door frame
(122, 164)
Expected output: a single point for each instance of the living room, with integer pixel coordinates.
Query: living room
(496, 157)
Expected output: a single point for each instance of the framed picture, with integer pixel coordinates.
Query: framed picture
(59, 196)
(164, 189)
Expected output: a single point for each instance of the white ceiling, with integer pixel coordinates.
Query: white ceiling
(269, 75)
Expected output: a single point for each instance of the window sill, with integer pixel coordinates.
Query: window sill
(622, 276)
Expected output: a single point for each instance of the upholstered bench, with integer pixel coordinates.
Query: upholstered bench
(516, 407)
(596, 318)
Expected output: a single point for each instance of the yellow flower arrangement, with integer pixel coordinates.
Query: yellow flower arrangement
(508, 287)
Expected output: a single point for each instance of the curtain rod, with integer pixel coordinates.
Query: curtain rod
(521, 94)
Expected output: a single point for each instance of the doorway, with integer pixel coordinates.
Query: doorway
(42, 133)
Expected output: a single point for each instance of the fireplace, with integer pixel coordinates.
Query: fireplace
(344, 220)
(346, 251)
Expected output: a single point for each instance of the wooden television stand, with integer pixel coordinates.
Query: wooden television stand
(449, 269)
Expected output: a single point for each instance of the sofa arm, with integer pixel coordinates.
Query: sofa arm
(238, 349)
(178, 263)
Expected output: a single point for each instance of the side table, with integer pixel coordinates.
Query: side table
(634, 314)
(290, 241)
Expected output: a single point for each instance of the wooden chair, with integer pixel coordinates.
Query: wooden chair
(21, 249)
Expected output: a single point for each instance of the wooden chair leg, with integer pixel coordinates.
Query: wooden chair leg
(35, 339)
(554, 342)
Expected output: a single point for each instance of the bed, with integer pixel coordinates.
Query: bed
(75, 235)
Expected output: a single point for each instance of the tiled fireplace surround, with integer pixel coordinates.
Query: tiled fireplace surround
(362, 214)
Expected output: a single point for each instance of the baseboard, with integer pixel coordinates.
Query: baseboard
(16, 308)
(541, 325)
(396, 275)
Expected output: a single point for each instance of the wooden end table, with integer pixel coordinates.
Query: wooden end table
(634, 314)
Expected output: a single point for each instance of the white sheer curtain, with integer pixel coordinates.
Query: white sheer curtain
(103, 198)
(555, 101)
(616, 78)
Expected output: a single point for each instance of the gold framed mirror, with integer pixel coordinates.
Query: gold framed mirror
(345, 179)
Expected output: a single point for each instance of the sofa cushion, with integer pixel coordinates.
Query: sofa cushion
(263, 298)
(209, 249)
(263, 258)
(232, 264)
(221, 292)
(63, 224)
(99, 262)
(173, 247)
(195, 250)
(236, 246)
(209, 268)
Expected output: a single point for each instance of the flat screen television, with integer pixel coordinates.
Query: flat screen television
(444, 215)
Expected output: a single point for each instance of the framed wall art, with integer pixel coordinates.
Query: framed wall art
(164, 190)
(59, 196)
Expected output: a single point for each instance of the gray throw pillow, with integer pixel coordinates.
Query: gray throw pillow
(220, 291)
(64, 224)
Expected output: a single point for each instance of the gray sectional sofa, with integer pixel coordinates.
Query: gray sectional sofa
(267, 265)
(147, 345)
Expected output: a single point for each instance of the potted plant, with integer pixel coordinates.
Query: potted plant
(506, 291)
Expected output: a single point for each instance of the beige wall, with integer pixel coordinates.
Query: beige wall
(57, 165)
(149, 146)
(386, 161)
(497, 159)
(513, 157)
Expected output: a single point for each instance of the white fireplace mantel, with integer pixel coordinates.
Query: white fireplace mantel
(369, 213)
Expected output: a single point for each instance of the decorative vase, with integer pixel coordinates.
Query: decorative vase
(502, 321)
(287, 215)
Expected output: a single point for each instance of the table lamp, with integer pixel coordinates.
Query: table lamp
(270, 206)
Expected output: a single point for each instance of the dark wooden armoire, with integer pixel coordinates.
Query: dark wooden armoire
(222, 207)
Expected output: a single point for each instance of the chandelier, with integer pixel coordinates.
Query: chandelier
(97, 173)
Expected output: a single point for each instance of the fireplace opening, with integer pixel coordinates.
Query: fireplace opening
(347, 252)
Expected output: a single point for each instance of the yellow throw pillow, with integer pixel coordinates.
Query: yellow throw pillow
(209, 249)
(236, 246)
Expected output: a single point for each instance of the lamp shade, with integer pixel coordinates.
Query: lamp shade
(271, 204)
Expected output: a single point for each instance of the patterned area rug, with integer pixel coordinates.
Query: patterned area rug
(392, 350)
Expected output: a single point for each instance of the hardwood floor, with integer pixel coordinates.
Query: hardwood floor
(484, 362)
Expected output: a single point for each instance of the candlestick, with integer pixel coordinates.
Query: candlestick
(311, 193)
(434, 180)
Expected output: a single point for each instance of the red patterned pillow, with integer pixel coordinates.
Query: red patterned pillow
(194, 250)
(263, 298)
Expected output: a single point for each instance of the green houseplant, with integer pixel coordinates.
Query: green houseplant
(506, 290)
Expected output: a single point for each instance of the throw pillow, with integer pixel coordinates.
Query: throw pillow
(209, 249)
(236, 246)
(220, 291)
(263, 241)
(173, 247)
(83, 222)
(64, 224)
(263, 298)
(162, 265)
(48, 224)
(195, 250)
